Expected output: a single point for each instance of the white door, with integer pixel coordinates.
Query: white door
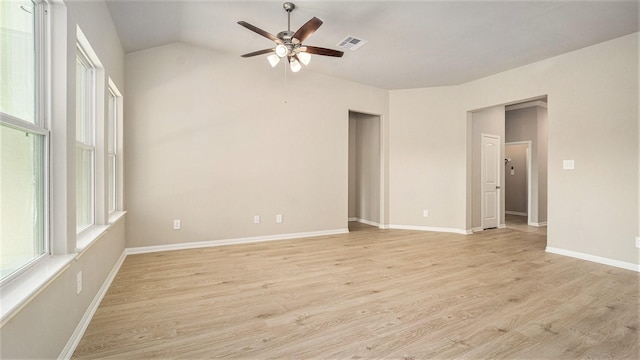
(490, 174)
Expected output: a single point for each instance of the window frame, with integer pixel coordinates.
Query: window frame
(40, 126)
(113, 96)
(88, 141)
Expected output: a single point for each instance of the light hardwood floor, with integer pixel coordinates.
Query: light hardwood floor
(368, 294)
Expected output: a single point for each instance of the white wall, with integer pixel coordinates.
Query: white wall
(214, 139)
(45, 324)
(592, 119)
(427, 158)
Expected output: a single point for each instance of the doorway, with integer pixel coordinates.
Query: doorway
(526, 123)
(517, 182)
(523, 121)
(364, 168)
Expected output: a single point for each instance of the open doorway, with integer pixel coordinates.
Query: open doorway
(364, 170)
(517, 182)
(523, 122)
(526, 175)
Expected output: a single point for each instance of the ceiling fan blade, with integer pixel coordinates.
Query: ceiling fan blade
(307, 29)
(259, 52)
(259, 31)
(323, 51)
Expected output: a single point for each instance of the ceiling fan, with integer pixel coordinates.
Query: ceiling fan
(289, 44)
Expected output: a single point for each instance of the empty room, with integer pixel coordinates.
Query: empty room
(319, 179)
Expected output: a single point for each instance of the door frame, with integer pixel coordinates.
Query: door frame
(382, 223)
(499, 209)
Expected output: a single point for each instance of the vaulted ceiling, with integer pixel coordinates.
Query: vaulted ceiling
(411, 44)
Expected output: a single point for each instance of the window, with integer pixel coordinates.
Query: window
(23, 138)
(85, 141)
(112, 145)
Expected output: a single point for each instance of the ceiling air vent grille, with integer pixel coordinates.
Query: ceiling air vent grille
(351, 43)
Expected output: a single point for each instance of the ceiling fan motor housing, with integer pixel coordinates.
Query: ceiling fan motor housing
(286, 36)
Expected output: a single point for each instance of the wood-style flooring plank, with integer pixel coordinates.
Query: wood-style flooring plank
(368, 294)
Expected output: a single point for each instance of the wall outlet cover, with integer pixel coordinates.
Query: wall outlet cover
(79, 282)
(568, 164)
(638, 242)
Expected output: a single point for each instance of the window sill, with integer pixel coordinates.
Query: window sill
(19, 291)
(91, 235)
(116, 216)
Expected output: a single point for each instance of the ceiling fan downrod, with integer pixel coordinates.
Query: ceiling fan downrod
(288, 7)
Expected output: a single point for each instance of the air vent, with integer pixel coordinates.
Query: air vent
(351, 43)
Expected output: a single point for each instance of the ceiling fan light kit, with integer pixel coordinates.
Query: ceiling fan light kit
(289, 43)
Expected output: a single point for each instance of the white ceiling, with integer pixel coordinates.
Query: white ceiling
(411, 44)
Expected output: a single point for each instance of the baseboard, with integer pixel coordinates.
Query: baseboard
(540, 224)
(235, 241)
(478, 229)
(353, 219)
(73, 342)
(596, 259)
(429, 228)
(515, 213)
(365, 221)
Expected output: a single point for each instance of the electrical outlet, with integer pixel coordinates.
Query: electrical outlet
(79, 282)
(638, 242)
(425, 213)
(256, 219)
(279, 218)
(177, 224)
(568, 164)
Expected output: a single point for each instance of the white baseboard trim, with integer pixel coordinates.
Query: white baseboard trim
(596, 259)
(478, 229)
(353, 219)
(365, 221)
(236, 241)
(515, 213)
(429, 228)
(73, 342)
(540, 224)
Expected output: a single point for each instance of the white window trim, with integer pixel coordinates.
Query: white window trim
(40, 127)
(87, 57)
(113, 120)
